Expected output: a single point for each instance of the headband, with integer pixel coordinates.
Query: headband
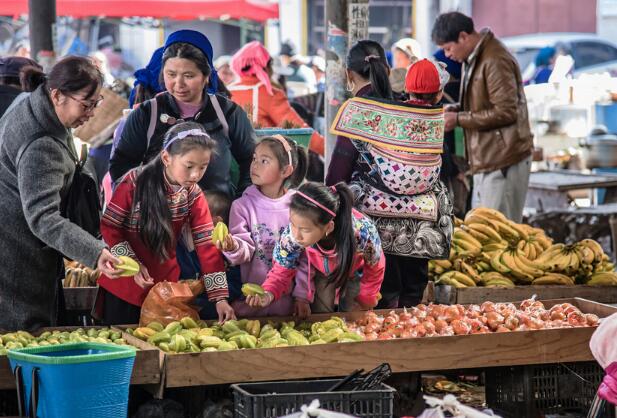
(316, 203)
(286, 146)
(184, 134)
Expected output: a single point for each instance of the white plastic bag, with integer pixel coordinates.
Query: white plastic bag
(450, 404)
(313, 411)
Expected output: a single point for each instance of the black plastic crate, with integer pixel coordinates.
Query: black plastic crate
(275, 399)
(536, 390)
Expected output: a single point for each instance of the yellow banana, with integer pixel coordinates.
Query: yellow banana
(586, 255)
(470, 271)
(463, 235)
(492, 275)
(553, 279)
(495, 246)
(533, 250)
(550, 253)
(505, 282)
(439, 270)
(603, 279)
(497, 264)
(458, 221)
(595, 247)
(444, 279)
(506, 230)
(522, 232)
(464, 279)
(445, 264)
(485, 229)
(544, 241)
(507, 259)
(480, 236)
(483, 265)
(527, 266)
(489, 213)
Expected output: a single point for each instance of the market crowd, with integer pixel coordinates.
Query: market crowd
(188, 156)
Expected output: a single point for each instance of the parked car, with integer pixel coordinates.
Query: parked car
(587, 49)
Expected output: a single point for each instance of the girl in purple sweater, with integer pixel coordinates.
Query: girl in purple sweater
(258, 218)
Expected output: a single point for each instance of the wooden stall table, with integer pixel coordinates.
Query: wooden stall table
(549, 189)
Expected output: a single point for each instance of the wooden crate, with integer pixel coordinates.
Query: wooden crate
(403, 355)
(147, 369)
(451, 295)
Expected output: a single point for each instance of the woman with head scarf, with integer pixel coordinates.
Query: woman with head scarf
(267, 105)
(191, 84)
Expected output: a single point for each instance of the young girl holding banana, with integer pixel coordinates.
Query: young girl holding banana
(343, 249)
(258, 218)
(146, 217)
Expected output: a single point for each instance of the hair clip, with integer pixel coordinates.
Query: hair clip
(368, 58)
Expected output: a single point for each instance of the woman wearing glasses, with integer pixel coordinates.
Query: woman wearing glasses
(36, 169)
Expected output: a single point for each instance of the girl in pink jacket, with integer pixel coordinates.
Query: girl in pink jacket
(257, 219)
(343, 249)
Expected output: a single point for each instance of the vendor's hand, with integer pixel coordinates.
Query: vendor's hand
(229, 244)
(302, 309)
(357, 306)
(107, 263)
(143, 278)
(450, 120)
(225, 311)
(256, 301)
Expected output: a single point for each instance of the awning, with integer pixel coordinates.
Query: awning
(255, 10)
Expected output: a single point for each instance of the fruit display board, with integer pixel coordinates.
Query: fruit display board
(284, 362)
(148, 360)
(490, 250)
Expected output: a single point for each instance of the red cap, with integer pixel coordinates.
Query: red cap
(422, 77)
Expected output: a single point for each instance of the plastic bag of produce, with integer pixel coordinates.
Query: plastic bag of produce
(171, 301)
(313, 411)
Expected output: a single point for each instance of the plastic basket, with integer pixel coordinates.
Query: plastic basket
(82, 380)
(302, 136)
(274, 399)
(536, 390)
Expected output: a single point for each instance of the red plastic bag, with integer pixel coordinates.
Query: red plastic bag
(171, 301)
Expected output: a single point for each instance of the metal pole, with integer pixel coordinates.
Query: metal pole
(336, 33)
(41, 23)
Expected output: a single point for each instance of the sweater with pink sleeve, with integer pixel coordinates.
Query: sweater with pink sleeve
(256, 223)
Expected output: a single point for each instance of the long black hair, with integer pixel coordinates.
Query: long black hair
(299, 159)
(155, 226)
(339, 200)
(368, 59)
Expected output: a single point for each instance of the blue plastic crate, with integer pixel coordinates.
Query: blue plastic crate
(82, 380)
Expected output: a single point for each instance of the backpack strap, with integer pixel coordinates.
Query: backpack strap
(219, 114)
(153, 116)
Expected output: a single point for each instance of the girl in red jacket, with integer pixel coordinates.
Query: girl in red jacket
(151, 209)
(342, 246)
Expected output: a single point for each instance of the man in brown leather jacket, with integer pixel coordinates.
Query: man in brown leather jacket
(492, 113)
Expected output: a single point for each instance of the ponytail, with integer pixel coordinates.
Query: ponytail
(31, 77)
(155, 227)
(368, 59)
(337, 199)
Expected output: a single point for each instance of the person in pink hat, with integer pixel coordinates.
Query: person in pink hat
(604, 350)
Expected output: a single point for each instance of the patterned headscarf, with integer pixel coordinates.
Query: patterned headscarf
(256, 57)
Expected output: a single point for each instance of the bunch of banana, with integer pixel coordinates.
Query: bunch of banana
(494, 279)
(603, 279)
(80, 276)
(553, 279)
(514, 263)
(456, 279)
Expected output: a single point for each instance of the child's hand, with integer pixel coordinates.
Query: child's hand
(229, 244)
(143, 278)
(256, 301)
(225, 311)
(302, 309)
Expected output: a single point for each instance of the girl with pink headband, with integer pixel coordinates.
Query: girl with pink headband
(257, 219)
(345, 259)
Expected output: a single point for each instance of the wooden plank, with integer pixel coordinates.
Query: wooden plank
(404, 355)
(563, 180)
(464, 296)
(79, 298)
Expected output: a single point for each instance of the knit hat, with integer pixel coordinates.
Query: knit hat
(426, 76)
(149, 76)
(200, 41)
(252, 59)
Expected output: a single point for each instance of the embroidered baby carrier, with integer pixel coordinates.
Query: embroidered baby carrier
(400, 147)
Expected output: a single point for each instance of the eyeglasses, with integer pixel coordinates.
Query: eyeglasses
(88, 106)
